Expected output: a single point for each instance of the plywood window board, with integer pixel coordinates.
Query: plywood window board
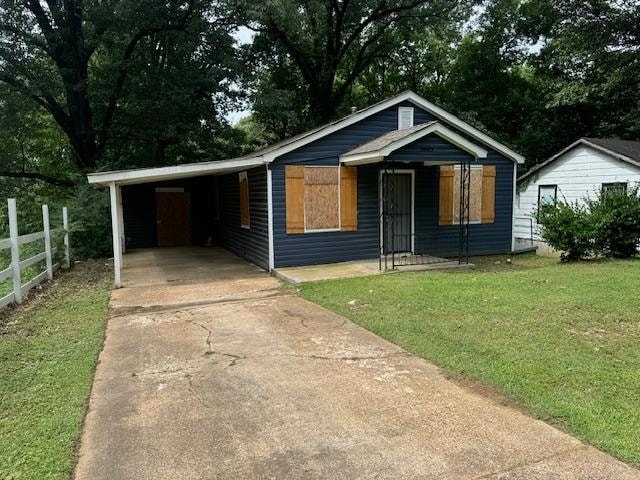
(475, 195)
(321, 198)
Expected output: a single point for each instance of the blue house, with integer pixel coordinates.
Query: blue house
(402, 181)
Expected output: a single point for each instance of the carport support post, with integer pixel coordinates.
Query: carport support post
(116, 215)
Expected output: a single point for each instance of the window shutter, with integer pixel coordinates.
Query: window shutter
(445, 207)
(348, 199)
(488, 194)
(294, 191)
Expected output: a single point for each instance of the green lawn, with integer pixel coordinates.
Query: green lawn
(48, 353)
(561, 339)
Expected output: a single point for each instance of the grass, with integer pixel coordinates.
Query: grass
(48, 354)
(561, 339)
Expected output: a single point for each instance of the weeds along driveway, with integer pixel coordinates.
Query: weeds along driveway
(255, 382)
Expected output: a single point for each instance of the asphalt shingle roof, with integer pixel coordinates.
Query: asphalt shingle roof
(387, 139)
(628, 148)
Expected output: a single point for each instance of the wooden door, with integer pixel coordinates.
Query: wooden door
(173, 218)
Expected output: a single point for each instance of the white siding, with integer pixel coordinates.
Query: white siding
(578, 173)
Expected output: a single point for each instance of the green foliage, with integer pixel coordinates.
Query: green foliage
(567, 228)
(90, 223)
(615, 219)
(608, 225)
(314, 53)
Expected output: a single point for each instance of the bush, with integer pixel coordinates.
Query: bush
(90, 227)
(606, 226)
(615, 219)
(566, 227)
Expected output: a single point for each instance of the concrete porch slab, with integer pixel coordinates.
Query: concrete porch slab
(359, 268)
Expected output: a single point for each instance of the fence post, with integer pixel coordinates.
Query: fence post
(65, 225)
(47, 241)
(15, 250)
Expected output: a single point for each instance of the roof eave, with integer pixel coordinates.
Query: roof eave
(580, 141)
(416, 100)
(159, 174)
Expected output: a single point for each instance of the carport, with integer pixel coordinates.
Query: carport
(162, 201)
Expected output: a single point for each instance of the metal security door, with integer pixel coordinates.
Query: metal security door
(397, 212)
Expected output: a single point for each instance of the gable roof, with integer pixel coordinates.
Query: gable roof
(270, 153)
(378, 148)
(625, 150)
(290, 144)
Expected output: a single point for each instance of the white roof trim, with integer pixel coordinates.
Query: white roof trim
(406, 96)
(437, 128)
(146, 175)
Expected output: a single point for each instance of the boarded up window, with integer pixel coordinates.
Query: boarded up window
(244, 199)
(475, 195)
(481, 194)
(321, 198)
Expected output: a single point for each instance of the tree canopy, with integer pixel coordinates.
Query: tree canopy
(100, 84)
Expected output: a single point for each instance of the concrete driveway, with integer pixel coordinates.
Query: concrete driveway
(211, 371)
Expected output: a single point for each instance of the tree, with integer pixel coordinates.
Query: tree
(31, 146)
(588, 61)
(73, 58)
(332, 42)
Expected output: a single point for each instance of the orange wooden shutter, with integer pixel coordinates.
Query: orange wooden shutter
(348, 199)
(294, 191)
(488, 193)
(445, 208)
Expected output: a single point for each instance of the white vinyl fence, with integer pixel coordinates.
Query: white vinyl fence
(18, 265)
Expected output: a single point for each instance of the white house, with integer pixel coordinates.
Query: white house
(581, 170)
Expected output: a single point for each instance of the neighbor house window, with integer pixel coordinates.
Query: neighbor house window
(482, 190)
(243, 180)
(620, 187)
(547, 195)
(321, 199)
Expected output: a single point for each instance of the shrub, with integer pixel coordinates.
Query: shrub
(566, 227)
(608, 225)
(615, 219)
(90, 227)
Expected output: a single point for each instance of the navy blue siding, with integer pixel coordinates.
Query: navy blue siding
(327, 247)
(251, 243)
(484, 238)
(431, 147)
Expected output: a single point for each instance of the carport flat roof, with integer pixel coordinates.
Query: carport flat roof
(159, 174)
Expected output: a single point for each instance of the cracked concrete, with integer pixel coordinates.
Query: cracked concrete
(190, 386)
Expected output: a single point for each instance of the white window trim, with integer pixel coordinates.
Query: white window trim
(243, 176)
(413, 119)
(388, 171)
(471, 222)
(324, 230)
